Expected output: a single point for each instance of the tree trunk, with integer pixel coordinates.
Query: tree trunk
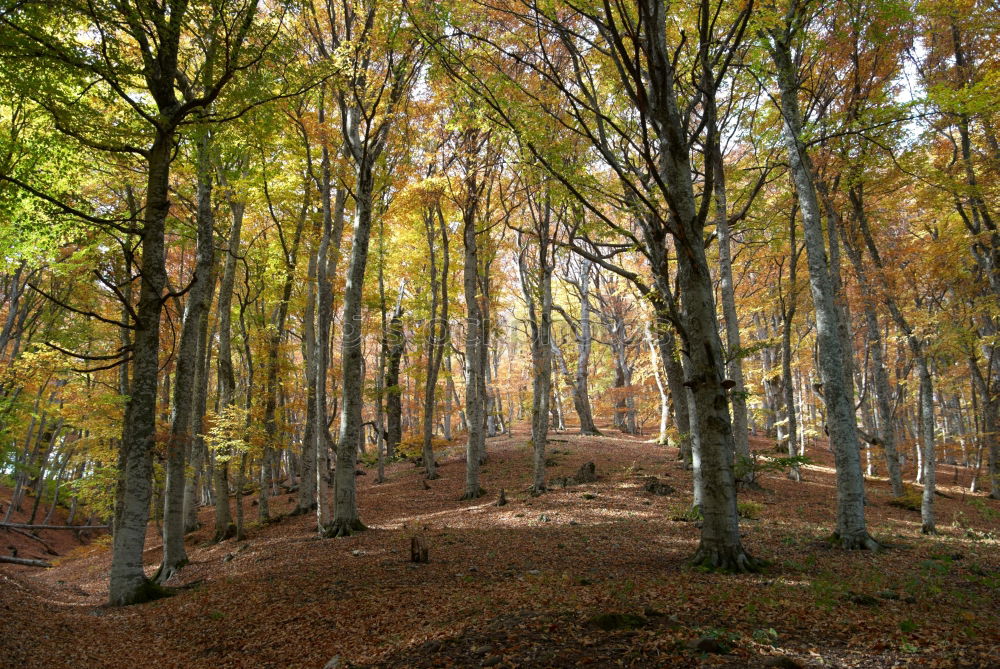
(182, 420)
(788, 388)
(224, 527)
(989, 424)
(537, 288)
(326, 264)
(275, 338)
(346, 520)
(393, 393)
(580, 383)
(927, 525)
(720, 545)
(449, 391)
(880, 386)
(667, 345)
(851, 531)
(654, 363)
(128, 583)
(307, 483)
(734, 367)
(193, 483)
(475, 358)
(437, 331)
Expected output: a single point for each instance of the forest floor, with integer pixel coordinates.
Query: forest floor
(538, 582)
(41, 544)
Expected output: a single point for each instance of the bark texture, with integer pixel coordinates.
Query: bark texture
(851, 531)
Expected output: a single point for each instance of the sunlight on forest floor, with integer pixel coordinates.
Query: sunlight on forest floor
(533, 572)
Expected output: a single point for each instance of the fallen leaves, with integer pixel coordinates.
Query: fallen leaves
(505, 589)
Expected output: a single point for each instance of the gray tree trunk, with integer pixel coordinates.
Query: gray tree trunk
(927, 525)
(880, 386)
(475, 358)
(193, 484)
(346, 520)
(326, 264)
(307, 483)
(654, 361)
(437, 331)
(580, 382)
(275, 339)
(925, 450)
(720, 545)
(161, 72)
(128, 584)
(713, 446)
(195, 312)
(537, 288)
(393, 392)
(851, 530)
(989, 424)
(224, 527)
(788, 303)
(734, 367)
(449, 392)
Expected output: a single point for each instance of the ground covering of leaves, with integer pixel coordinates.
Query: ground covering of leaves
(588, 575)
(48, 543)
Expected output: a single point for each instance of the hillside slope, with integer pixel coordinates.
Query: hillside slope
(536, 582)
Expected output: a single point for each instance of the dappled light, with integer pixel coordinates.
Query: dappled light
(499, 333)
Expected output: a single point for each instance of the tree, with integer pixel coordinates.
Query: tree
(536, 285)
(579, 381)
(651, 164)
(143, 47)
(379, 65)
(851, 531)
(474, 161)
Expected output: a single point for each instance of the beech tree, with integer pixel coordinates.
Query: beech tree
(654, 169)
(380, 62)
(619, 206)
(851, 530)
(166, 68)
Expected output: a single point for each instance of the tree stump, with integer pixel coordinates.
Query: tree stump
(586, 474)
(655, 486)
(418, 549)
(502, 501)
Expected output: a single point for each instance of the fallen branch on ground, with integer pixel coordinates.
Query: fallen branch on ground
(25, 526)
(25, 561)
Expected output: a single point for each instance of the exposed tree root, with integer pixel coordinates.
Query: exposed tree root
(857, 542)
(468, 495)
(228, 533)
(343, 528)
(147, 591)
(25, 561)
(729, 560)
(166, 572)
(48, 548)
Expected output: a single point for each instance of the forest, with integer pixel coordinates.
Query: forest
(514, 333)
